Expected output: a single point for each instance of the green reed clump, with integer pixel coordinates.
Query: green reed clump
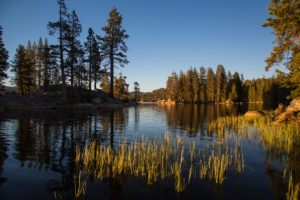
(160, 159)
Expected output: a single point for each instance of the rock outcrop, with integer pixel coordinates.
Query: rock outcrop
(288, 114)
(254, 113)
(51, 98)
(166, 102)
(280, 109)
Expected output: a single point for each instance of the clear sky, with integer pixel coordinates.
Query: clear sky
(165, 35)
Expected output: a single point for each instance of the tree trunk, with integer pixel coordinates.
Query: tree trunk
(95, 81)
(90, 69)
(61, 55)
(111, 56)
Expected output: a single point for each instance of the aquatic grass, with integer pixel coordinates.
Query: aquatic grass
(160, 158)
(80, 186)
(293, 189)
(283, 139)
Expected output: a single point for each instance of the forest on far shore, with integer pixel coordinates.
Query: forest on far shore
(206, 86)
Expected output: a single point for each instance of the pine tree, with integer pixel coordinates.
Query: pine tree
(33, 51)
(29, 70)
(105, 85)
(211, 85)
(114, 47)
(252, 93)
(181, 86)
(260, 90)
(94, 58)
(3, 59)
(203, 97)
(220, 84)
(54, 75)
(136, 91)
(172, 86)
(121, 87)
(96, 63)
(46, 62)
(229, 84)
(285, 22)
(61, 27)
(23, 69)
(81, 73)
(238, 84)
(196, 86)
(18, 68)
(74, 47)
(188, 86)
(233, 95)
(39, 62)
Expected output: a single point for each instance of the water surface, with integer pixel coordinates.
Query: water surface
(37, 152)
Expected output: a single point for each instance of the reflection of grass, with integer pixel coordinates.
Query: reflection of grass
(283, 138)
(160, 159)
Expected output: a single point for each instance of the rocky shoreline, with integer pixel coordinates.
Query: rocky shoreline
(52, 99)
(283, 114)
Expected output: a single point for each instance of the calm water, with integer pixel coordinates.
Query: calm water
(37, 151)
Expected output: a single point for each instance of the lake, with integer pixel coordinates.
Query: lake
(38, 150)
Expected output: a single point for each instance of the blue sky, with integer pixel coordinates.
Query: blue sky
(165, 35)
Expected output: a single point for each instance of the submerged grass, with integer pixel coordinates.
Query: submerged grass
(160, 159)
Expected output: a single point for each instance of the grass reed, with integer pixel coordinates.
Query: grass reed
(282, 138)
(160, 158)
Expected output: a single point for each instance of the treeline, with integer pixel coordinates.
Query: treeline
(205, 85)
(70, 62)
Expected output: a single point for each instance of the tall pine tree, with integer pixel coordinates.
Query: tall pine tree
(211, 85)
(18, 68)
(220, 84)
(196, 86)
(3, 59)
(114, 47)
(93, 58)
(61, 26)
(74, 47)
(39, 62)
(202, 77)
(46, 62)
